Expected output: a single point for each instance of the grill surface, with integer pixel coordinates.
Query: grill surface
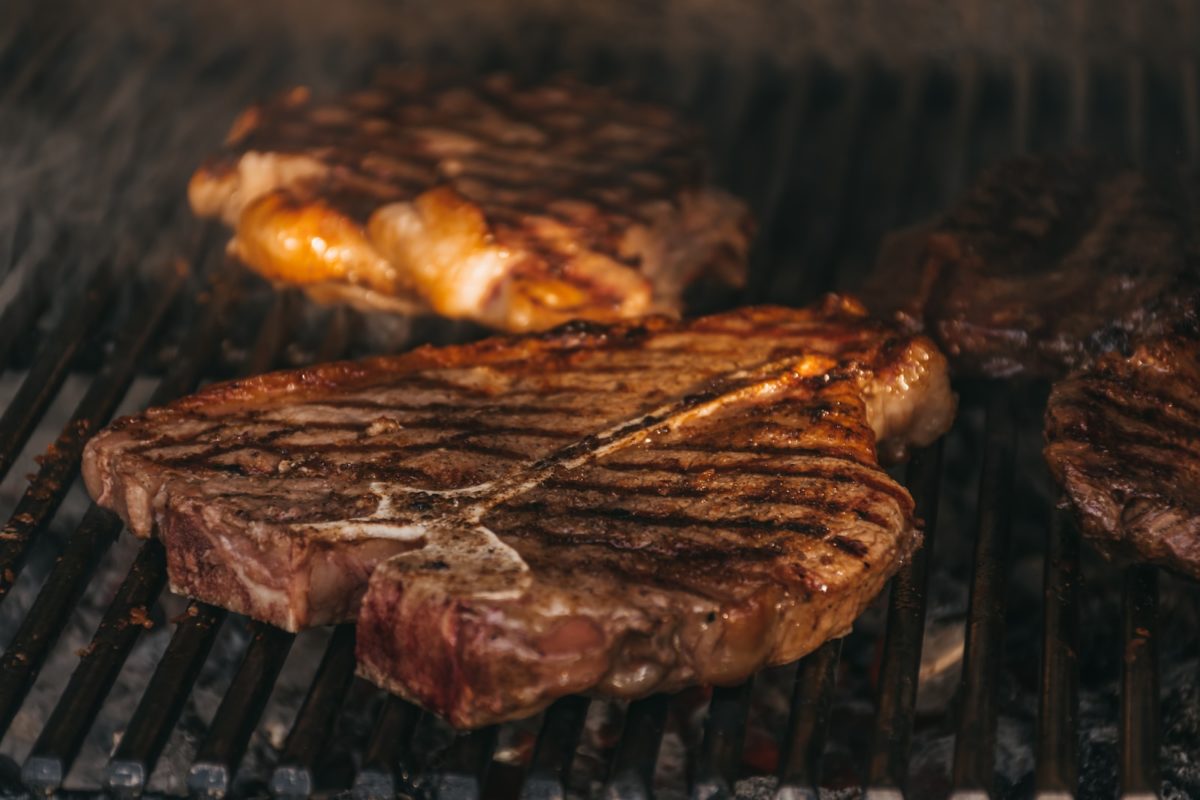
(832, 156)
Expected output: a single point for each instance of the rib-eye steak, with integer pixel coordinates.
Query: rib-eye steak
(1045, 263)
(613, 509)
(517, 207)
(1124, 443)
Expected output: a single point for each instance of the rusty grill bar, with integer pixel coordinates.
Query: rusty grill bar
(833, 157)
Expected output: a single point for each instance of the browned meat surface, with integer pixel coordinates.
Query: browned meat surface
(1124, 443)
(618, 510)
(1045, 263)
(519, 208)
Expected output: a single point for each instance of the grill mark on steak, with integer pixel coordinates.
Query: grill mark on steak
(849, 545)
(1109, 388)
(563, 222)
(1159, 429)
(589, 564)
(617, 489)
(1043, 265)
(849, 456)
(499, 409)
(676, 520)
(659, 549)
(770, 495)
(1123, 441)
(765, 468)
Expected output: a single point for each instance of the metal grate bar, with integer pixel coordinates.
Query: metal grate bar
(900, 170)
(49, 52)
(198, 349)
(808, 724)
(337, 338)
(1079, 75)
(41, 628)
(632, 773)
(273, 335)
(461, 776)
(1139, 768)
(769, 166)
(724, 734)
(72, 717)
(1135, 88)
(17, 22)
(58, 468)
(383, 758)
(827, 223)
(555, 749)
(49, 370)
(95, 674)
(974, 747)
(966, 108)
(237, 717)
(151, 724)
(1022, 116)
(1190, 90)
(247, 695)
(43, 624)
(1057, 773)
(219, 756)
(1189, 102)
(21, 313)
(295, 776)
(780, 169)
(887, 770)
(129, 770)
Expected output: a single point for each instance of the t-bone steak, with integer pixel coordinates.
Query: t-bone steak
(615, 510)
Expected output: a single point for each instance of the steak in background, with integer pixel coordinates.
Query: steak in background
(614, 509)
(1044, 264)
(517, 207)
(1124, 443)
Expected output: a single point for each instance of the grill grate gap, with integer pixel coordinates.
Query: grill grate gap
(50, 367)
(721, 749)
(555, 750)
(387, 768)
(67, 726)
(1139, 767)
(24, 656)
(129, 770)
(1058, 714)
(212, 773)
(808, 725)
(887, 771)
(974, 747)
(631, 774)
(463, 771)
(297, 772)
(58, 468)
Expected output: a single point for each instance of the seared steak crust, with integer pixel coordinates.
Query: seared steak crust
(1124, 443)
(517, 207)
(614, 509)
(1044, 264)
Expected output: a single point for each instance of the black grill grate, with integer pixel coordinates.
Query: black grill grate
(832, 156)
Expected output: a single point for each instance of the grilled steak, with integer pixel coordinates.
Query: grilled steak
(614, 509)
(519, 208)
(1124, 443)
(1044, 264)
